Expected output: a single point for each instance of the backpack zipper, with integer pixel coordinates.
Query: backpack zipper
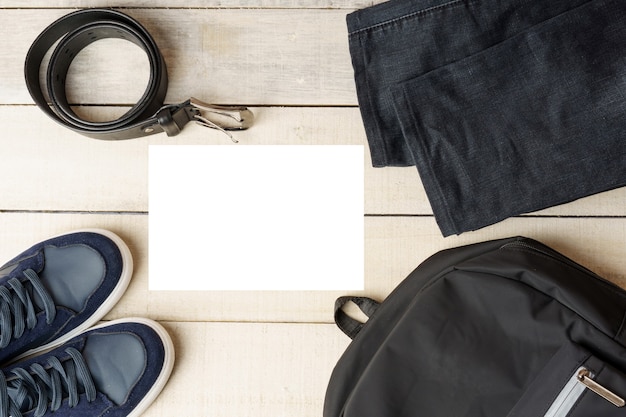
(585, 378)
(575, 388)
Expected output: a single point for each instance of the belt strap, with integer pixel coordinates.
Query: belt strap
(149, 116)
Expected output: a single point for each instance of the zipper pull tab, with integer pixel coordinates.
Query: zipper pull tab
(584, 377)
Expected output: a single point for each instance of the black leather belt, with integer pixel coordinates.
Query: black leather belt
(149, 116)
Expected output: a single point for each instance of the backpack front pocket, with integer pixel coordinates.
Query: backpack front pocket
(574, 383)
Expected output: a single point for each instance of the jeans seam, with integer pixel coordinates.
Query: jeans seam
(382, 147)
(422, 12)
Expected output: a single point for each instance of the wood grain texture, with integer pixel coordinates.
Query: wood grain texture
(233, 369)
(261, 354)
(188, 4)
(228, 56)
(394, 246)
(46, 158)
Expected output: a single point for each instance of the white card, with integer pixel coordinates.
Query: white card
(256, 217)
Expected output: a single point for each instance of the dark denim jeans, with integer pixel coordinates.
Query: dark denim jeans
(504, 106)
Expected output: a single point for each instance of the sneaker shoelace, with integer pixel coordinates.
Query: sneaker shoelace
(42, 387)
(17, 311)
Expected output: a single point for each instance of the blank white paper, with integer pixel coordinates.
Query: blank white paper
(256, 217)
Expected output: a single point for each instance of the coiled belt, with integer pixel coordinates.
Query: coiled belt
(148, 116)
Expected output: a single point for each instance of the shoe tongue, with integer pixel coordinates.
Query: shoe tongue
(6, 270)
(34, 261)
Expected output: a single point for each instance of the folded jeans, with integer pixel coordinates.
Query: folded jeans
(505, 107)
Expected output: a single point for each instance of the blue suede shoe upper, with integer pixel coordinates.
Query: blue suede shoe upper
(78, 271)
(125, 357)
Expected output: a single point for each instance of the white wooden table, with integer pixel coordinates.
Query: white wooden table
(261, 354)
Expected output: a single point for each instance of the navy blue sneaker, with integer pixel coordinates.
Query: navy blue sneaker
(116, 370)
(58, 288)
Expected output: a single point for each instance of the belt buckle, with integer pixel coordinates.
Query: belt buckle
(222, 118)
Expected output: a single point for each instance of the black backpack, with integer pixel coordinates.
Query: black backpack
(505, 328)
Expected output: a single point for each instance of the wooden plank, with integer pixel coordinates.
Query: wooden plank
(46, 159)
(186, 4)
(238, 353)
(221, 55)
(394, 247)
(247, 369)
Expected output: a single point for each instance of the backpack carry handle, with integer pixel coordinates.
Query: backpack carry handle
(349, 325)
